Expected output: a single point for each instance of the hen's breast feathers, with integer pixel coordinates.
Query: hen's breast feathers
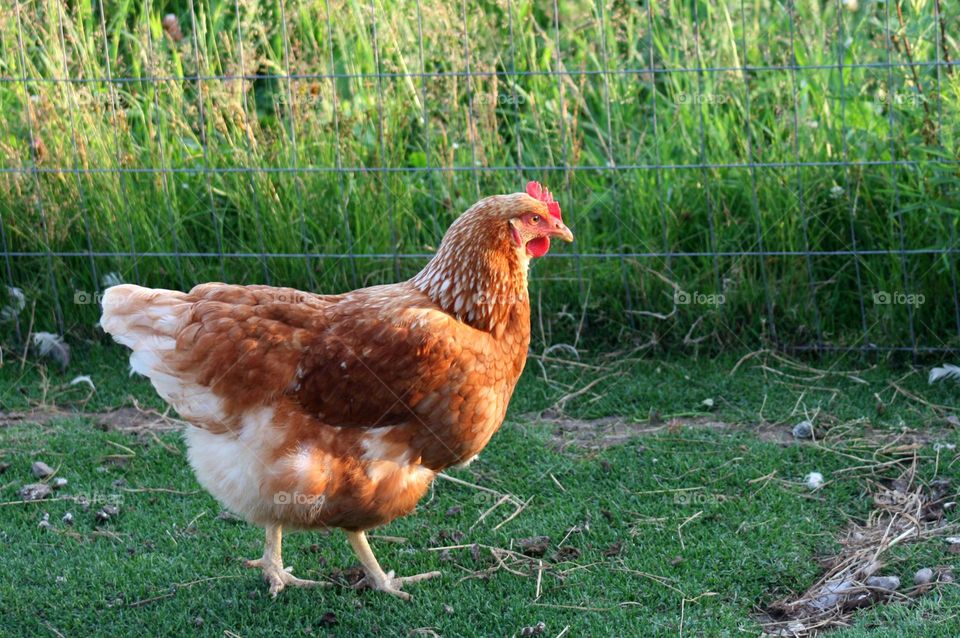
(382, 362)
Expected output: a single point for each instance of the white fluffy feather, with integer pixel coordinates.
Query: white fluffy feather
(18, 301)
(946, 371)
(147, 321)
(53, 346)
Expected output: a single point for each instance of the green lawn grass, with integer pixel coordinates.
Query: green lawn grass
(167, 560)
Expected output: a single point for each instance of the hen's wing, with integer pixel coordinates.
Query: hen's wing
(375, 357)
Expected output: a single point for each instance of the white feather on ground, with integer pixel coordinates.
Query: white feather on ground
(83, 378)
(18, 301)
(52, 346)
(946, 371)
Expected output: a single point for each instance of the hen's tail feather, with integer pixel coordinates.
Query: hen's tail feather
(147, 321)
(139, 317)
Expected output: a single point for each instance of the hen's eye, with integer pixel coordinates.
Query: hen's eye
(535, 219)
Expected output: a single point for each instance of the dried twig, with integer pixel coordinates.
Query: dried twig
(177, 586)
(516, 513)
(943, 38)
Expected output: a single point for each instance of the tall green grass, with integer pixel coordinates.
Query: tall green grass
(159, 116)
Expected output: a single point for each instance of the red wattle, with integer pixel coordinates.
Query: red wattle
(538, 246)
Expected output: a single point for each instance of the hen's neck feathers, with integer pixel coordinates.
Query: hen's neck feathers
(478, 274)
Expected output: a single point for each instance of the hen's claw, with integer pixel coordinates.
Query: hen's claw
(279, 577)
(375, 577)
(392, 585)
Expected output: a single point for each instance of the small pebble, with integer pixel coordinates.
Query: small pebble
(448, 609)
(535, 546)
(198, 622)
(832, 594)
(107, 512)
(61, 579)
(45, 522)
(329, 619)
(34, 491)
(890, 583)
(67, 519)
(59, 482)
(41, 469)
(803, 430)
(814, 480)
(534, 630)
(923, 576)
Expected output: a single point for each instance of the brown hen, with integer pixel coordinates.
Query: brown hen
(316, 411)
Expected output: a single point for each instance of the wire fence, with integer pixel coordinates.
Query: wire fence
(736, 174)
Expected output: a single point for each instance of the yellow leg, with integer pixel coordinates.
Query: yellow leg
(272, 564)
(376, 577)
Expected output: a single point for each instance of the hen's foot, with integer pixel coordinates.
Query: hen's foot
(279, 577)
(376, 578)
(272, 564)
(390, 584)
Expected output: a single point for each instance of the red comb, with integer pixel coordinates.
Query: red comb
(536, 191)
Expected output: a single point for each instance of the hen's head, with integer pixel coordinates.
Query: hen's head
(537, 222)
(523, 221)
(480, 269)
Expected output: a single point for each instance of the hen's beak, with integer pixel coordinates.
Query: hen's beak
(560, 231)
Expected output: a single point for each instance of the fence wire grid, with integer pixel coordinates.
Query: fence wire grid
(736, 173)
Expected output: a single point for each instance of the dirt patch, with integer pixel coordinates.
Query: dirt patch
(599, 434)
(131, 420)
(135, 420)
(33, 417)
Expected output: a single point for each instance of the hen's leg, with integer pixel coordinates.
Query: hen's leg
(272, 564)
(376, 578)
